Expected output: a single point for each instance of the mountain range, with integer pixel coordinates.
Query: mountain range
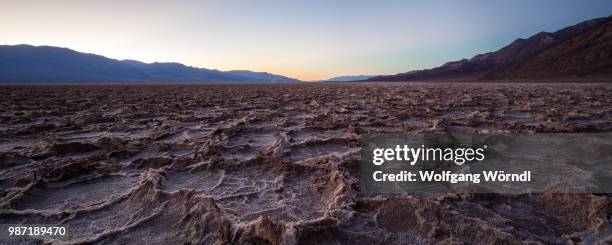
(46, 64)
(579, 51)
(349, 78)
(582, 50)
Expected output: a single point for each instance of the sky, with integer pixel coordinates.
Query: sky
(307, 39)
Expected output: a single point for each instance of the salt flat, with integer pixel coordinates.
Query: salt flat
(274, 163)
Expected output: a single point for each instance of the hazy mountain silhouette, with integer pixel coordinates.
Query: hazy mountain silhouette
(482, 64)
(349, 78)
(262, 76)
(26, 63)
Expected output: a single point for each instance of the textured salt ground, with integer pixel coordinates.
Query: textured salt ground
(275, 164)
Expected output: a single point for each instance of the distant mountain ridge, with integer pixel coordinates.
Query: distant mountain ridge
(349, 78)
(481, 65)
(47, 64)
(588, 53)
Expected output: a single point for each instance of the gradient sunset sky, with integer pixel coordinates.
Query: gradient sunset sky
(308, 40)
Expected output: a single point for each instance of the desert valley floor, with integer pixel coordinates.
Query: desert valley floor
(275, 164)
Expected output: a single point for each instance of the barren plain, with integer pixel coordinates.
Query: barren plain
(275, 164)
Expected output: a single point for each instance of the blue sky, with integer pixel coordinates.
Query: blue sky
(308, 40)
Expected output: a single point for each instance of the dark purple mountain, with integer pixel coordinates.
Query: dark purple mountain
(25, 63)
(482, 64)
